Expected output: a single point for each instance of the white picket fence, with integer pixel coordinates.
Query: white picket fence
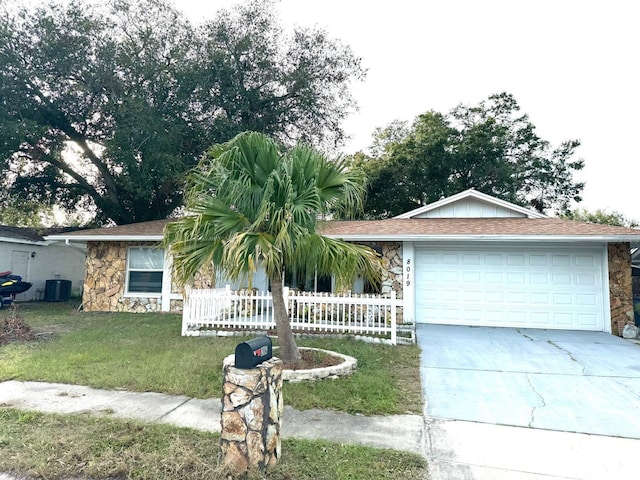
(223, 309)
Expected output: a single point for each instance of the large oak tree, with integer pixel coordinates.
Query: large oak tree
(105, 106)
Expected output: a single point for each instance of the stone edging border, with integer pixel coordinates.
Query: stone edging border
(347, 367)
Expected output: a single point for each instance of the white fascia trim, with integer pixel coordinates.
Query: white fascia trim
(23, 241)
(475, 194)
(483, 238)
(107, 238)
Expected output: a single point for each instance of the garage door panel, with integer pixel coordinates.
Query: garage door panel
(540, 319)
(589, 300)
(431, 277)
(585, 260)
(563, 319)
(561, 260)
(539, 299)
(471, 260)
(538, 260)
(472, 297)
(427, 259)
(517, 297)
(585, 279)
(561, 279)
(493, 277)
(494, 297)
(493, 259)
(516, 278)
(510, 286)
(587, 319)
(471, 276)
(449, 259)
(449, 276)
(539, 278)
(515, 260)
(515, 316)
(562, 299)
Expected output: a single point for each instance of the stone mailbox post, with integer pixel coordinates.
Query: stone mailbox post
(252, 408)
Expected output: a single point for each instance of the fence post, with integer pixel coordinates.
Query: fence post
(186, 310)
(285, 294)
(394, 307)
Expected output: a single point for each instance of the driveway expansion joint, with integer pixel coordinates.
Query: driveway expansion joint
(171, 411)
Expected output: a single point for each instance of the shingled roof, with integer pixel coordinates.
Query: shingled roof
(419, 229)
(474, 227)
(29, 235)
(152, 230)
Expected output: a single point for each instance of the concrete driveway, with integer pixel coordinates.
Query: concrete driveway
(585, 382)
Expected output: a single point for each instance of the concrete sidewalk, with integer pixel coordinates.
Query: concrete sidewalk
(455, 450)
(397, 432)
(461, 450)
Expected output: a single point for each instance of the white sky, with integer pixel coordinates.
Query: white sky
(571, 65)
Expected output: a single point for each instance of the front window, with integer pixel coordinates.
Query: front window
(144, 270)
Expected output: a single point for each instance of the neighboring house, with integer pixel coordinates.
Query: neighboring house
(469, 259)
(25, 252)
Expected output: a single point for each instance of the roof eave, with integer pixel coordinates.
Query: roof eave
(105, 238)
(24, 241)
(488, 238)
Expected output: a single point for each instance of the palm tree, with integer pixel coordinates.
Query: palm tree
(250, 203)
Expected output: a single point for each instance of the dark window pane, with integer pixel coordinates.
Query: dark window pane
(145, 282)
(324, 283)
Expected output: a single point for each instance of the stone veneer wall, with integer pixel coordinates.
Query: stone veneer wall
(392, 277)
(252, 407)
(620, 296)
(104, 280)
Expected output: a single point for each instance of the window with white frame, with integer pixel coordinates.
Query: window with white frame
(144, 270)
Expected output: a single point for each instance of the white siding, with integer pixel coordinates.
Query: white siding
(470, 208)
(50, 262)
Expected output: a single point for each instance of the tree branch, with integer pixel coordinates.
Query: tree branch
(58, 120)
(39, 154)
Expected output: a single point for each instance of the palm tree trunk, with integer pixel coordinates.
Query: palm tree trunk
(288, 351)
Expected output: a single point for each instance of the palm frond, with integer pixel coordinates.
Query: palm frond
(252, 205)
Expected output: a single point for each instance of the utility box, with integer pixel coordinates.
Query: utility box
(57, 290)
(253, 352)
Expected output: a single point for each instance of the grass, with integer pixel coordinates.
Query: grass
(63, 446)
(145, 352)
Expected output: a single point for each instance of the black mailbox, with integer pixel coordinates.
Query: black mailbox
(253, 352)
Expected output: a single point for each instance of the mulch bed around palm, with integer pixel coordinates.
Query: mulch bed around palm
(310, 359)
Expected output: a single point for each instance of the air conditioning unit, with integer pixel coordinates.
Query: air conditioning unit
(57, 290)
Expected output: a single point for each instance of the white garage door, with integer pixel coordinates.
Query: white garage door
(559, 288)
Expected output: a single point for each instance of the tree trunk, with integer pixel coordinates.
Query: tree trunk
(288, 351)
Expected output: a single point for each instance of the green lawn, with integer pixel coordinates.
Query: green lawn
(145, 352)
(65, 446)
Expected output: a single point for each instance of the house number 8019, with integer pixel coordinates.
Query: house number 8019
(408, 272)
